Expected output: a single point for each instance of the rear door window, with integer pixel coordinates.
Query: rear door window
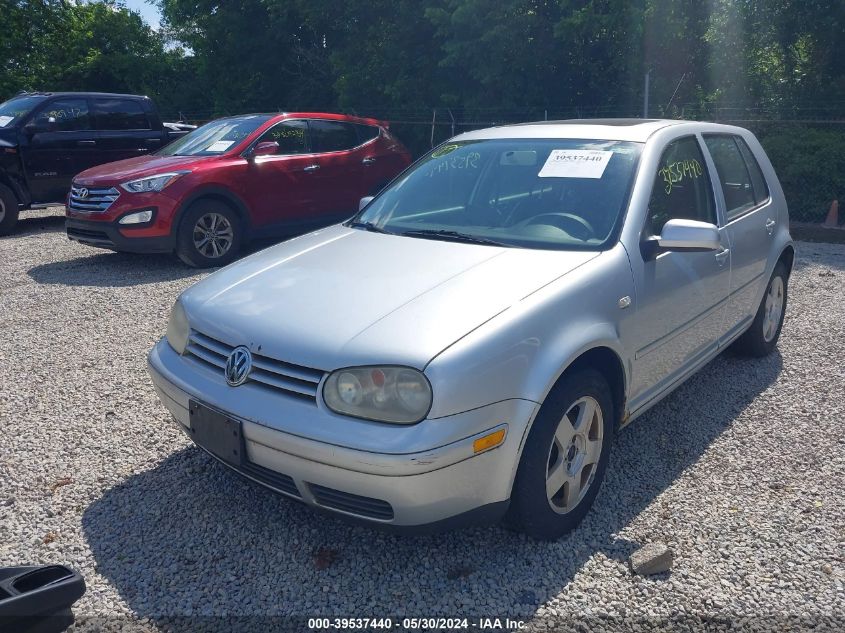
(332, 136)
(65, 115)
(733, 174)
(120, 114)
(682, 187)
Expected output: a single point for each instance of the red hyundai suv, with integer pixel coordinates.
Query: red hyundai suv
(207, 193)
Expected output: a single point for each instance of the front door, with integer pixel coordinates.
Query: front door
(751, 218)
(681, 296)
(63, 145)
(281, 188)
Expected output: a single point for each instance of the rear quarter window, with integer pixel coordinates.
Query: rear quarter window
(367, 133)
(758, 181)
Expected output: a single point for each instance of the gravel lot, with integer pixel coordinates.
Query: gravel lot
(741, 472)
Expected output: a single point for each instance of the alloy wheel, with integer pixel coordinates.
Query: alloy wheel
(213, 235)
(773, 309)
(574, 454)
(2, 209)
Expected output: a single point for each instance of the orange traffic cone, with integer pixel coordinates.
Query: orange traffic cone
(832, 220)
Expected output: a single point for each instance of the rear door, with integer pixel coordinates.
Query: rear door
(339, 177)
(64, 145)
(751, 219)
(681, 296)
(125, 128)
(380, 163)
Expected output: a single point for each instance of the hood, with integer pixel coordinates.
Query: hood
(342, 297)
(131, 168)
(8, 137)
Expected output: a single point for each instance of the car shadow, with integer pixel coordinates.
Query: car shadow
(188, 539)
(37, 224)
(112, 270)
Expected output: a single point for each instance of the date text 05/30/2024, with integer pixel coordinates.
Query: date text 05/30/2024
(415, 624)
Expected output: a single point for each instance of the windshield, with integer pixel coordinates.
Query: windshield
(563, 194)
(216, 137)
(14, 110)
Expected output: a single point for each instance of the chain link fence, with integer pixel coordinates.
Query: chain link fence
(805, 142)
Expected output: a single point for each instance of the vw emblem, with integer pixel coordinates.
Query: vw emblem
(83, 193)
(238, 366)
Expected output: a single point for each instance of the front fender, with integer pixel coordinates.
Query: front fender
(522, 352)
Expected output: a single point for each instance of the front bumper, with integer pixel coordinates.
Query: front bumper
(442, 484)
(115, 237)
(103, 229)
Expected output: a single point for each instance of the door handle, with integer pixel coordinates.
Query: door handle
(369, 160)
(311, 168)
(770, 226)
(86, 143)
(722, 256)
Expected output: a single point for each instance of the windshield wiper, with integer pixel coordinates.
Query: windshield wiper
(455, 236)
(367, 226)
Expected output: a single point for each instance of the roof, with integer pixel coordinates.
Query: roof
(606, 129)
(78, 94)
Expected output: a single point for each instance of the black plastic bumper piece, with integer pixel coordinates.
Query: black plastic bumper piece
(38, 599)
(107, 235)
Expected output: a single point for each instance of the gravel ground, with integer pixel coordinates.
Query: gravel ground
(741, 472)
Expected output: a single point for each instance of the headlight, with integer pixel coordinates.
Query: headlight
(387, 394)
(178, 328)
(152, 183)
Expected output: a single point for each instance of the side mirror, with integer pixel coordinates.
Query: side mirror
(32, 128)
(689, 235)
(265, 148)
(364, 202)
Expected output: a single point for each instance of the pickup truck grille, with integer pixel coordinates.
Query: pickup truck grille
(92, 199)
(292, 380)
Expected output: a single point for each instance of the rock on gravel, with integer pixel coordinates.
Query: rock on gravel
(654, 558)
(740, 472)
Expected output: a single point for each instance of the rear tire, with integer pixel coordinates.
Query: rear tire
(210, 234)
(9, 210)
(762, 337)
(564, 458)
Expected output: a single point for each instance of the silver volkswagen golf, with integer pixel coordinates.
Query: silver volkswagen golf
(466, 346)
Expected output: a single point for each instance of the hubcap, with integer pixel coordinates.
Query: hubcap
(2, 210)
(574, 454)
(773, 309)
(213, 235)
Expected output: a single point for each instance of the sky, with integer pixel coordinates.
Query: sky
(149, 12)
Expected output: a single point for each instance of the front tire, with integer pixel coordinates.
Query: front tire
(209, 235)
(762, 337)
(565, 457)
(9, 210)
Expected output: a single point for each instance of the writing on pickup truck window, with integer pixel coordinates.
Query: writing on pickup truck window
(63, 113)
(677, 171)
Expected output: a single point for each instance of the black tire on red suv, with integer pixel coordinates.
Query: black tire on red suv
(210, 234)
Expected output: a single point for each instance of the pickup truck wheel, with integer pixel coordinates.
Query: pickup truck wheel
(8, 210)
(564, 458)
(761, 338)
(209, 235)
